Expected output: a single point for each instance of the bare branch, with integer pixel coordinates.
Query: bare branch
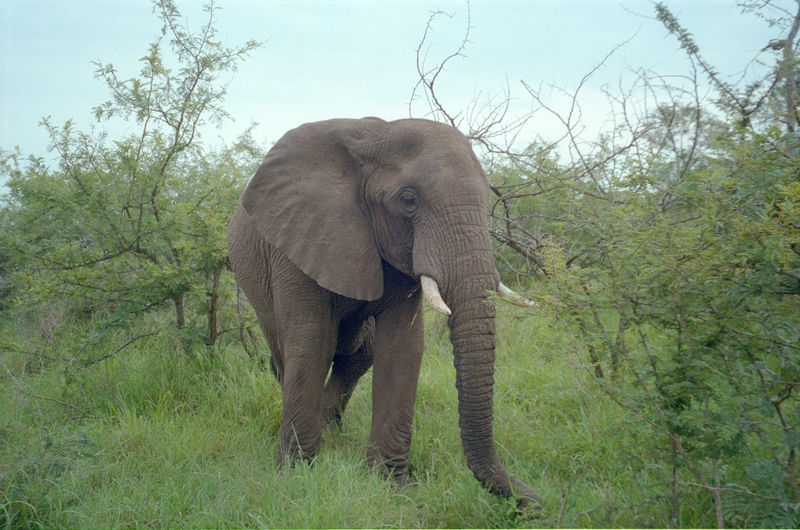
(128, 343)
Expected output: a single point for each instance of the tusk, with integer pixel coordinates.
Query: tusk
(432, 294)
(513, 297)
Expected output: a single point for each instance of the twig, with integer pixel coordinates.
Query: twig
(134, 339)
(40, 355)
(83, 414)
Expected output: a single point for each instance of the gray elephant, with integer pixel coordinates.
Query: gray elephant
(345, 226)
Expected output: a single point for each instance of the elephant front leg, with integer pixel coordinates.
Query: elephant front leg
(399, 341)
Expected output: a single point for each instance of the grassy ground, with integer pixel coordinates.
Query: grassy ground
(152, 438)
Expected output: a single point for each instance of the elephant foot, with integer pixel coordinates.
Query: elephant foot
(396, 468)
(292, 450)
(287, 462)
(401, 479)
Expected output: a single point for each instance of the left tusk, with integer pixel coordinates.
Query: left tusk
(513, 297)
(432, 295)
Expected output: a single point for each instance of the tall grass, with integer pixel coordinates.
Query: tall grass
(150, 437)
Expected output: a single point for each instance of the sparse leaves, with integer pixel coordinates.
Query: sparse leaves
(131, 224)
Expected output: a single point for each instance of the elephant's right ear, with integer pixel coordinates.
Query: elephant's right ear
(304, 200)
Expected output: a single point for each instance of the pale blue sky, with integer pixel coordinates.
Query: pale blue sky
(354, 58)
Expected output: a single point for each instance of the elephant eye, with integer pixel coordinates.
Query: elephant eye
(409, 202)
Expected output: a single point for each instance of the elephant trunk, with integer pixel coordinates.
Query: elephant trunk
(465, 273)
(472, 333)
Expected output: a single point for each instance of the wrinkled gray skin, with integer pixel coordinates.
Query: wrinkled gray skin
(328, 243)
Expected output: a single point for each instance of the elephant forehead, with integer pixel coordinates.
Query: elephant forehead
(445, 175)
(414, 134)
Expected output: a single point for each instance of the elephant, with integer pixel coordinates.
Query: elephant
(344, 228)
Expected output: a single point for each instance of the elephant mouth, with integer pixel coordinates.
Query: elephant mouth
(434, 297)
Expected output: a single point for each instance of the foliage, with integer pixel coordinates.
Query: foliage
(125, 225)
(673, 244)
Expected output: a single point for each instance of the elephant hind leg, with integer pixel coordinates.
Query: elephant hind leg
(305, 345)
(273, 366)
(353, 358)
(302, 382)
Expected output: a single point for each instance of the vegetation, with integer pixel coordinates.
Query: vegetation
(673, 247)
(655, 384)
(124, 226)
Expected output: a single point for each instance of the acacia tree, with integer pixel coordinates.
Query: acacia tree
(671, 246)
(127, 225)
(674, 252)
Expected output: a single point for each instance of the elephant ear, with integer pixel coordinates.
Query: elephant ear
(304, 200)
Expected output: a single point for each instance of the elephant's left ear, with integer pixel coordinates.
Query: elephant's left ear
(304, 200)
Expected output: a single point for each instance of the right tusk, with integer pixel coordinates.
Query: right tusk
(513, 297)
(432, 295)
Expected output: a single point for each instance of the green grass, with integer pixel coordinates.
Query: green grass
(174, 442)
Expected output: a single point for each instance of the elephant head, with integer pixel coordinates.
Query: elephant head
(343, 198)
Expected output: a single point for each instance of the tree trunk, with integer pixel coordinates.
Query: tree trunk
(212, 304)
(180, 322)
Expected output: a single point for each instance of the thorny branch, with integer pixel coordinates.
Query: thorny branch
(128, 343)
(486, 119)
(428, 77)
